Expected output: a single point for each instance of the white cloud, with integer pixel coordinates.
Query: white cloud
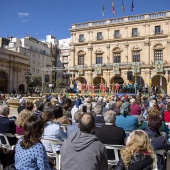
(25, 14)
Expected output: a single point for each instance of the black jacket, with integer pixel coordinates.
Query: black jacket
(139, 162)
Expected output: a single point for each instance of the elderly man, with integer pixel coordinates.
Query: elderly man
(74, 127)
(82, 150)
(6, 125)
(110, 133)
(99, 118)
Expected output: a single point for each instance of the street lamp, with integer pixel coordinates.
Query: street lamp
(27, 77)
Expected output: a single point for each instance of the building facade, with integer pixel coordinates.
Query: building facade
(38, 54)
(64, 46)
(12, 68)
(104, 51)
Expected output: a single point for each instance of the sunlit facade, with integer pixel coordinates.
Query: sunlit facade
(140, 44)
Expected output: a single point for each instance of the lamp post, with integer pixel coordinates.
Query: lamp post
(27, 77)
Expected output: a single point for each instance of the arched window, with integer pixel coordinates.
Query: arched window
(158, 52)
(136, 54)
(81, 56)
(99, 56)
(117, 55)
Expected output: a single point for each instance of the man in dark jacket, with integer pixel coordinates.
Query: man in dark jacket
(82, 150)
(6, 125)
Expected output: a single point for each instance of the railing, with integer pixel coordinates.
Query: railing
(134, 18)
(117, 20)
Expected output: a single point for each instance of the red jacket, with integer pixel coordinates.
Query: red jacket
(166, 116)
(135, 109)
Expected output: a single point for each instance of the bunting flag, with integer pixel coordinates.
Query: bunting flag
(80, 69)
(103, 10)
(116, 68)
(123, 7)
(159, 66)
(150, 81)
(132, 7)
(113, 8)
(98, 69)
(136, 67)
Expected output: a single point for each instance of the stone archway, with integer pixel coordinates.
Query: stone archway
(21, 88)
(79, 81)
(3, 82)
(139, 80)
(160, 81)
(116, 79)
(97, 80)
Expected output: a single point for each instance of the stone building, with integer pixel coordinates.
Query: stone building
(12, 68)
(105, 50)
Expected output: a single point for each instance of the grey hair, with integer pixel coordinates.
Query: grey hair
(110, 116)
(4, 110)
(77, 115)
(98, 110)
(132, 101)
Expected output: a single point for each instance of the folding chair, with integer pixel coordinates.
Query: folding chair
(7, 145)
(161, 152)
(64, 127)
(116, 148)
(53, 154)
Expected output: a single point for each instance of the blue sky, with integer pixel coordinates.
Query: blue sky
(37, 18)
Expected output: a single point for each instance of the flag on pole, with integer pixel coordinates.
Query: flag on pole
(101, 80)
(123, 7)
(113, 8)
(160, 81)
(132, 7)
(103, 10)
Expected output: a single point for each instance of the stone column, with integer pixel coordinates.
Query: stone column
(108, 33)
(89, 56)
(72, 56)
(147, 44)
(126, 47)
(108, 53)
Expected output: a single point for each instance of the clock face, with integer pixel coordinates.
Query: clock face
(116, 68)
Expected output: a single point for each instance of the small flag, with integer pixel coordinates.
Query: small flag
(103, 10)
(122, 7)
(132, 7)
(101, 80)
(113, 8)
(160, 81)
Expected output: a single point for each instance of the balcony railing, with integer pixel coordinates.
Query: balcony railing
(123, 19)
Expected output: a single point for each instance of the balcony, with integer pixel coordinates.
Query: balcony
(117, 36)
(158, 32)
(81, 40)
(99, 38)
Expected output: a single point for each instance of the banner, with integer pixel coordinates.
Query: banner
(116, 68)
(80, 69)
(136, 67)
(98, 69)
(159, 66)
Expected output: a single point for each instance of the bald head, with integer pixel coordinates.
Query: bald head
(86, 122)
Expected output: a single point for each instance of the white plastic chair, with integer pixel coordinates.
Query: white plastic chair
(7, 145)
(64, 127)
(53, 154)
(116, 148)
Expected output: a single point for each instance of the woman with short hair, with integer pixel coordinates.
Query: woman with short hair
(52, 130)
(30, 152)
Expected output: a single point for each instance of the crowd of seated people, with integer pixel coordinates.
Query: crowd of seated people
(91, 122)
